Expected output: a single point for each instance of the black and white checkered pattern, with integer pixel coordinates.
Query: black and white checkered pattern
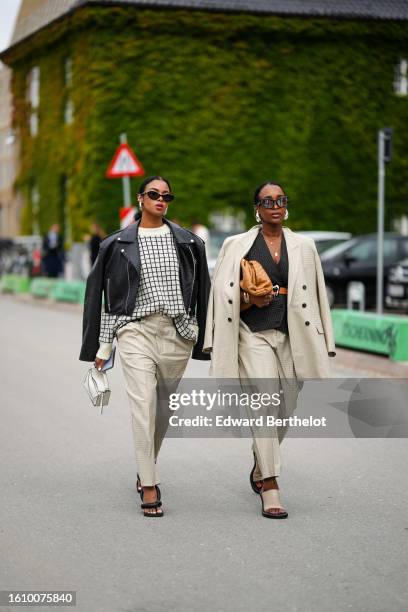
(159, 290)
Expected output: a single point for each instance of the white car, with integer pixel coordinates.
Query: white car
(213, 246)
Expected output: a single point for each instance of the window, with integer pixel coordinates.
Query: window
(10, 137)
(390, 250)
(66, 213)
(364, 251)
(33, 98)
(68, 105)
(34, 124)
(69, 112)
(68, 72)
(33, 87)
(404, 246)
(35, 207)
(401, 78)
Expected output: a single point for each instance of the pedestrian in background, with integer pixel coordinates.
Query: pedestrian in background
(97, 235)
(155, 281)
(274, 340)
(53, 252)
(200, 230)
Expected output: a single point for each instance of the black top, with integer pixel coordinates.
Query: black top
(273, 316)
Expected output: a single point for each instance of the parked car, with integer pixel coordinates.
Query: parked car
(323, 240)
(396, 290)
(326, 240)
(6, 249)
(213, 246)
(20, 255)
(356, 260)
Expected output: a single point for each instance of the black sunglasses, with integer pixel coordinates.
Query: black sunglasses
(154, 195)
(268, 202)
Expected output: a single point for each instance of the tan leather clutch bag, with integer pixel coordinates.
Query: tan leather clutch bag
(254, 279)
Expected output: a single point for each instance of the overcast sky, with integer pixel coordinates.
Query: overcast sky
(8, 14)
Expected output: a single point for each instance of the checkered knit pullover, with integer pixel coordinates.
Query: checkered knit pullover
(159, 289)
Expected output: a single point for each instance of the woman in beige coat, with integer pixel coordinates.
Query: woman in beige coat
(284, 336)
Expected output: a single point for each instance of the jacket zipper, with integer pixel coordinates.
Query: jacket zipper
(192, 285)
(107, 295)
(128, 277)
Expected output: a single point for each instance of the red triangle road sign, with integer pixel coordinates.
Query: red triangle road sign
(124, 163)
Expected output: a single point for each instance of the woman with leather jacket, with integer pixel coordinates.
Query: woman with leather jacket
(154, 278)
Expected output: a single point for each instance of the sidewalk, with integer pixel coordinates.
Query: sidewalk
(374, 365)
(378, 365)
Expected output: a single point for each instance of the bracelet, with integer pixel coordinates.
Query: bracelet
(246, 297)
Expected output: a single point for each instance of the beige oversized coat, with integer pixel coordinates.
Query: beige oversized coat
(309, 319)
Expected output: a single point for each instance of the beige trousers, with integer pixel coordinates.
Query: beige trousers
(266, 366)
(154, 357)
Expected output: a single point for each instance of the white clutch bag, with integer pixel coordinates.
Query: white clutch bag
(97, 386)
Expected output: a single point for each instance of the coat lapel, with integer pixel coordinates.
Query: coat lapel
(292, 245)
(243, 246)
(128, 237)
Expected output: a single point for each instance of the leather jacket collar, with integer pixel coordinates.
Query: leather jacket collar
(129, 234)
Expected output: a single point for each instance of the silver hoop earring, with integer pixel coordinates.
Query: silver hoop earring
(165, 212)
(286, 214)
(257, 217)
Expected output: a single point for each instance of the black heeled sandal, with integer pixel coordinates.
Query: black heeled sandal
(255, 489)
(146, 505)
(138, 484)
(139, 488)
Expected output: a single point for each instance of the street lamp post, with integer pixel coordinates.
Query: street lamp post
(127, 197)
(384, 155)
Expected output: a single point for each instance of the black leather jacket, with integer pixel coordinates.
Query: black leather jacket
(116, 275)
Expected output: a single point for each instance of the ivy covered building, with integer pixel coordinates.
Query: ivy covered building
(216, 95)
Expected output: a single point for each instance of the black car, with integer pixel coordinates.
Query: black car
(356, 260)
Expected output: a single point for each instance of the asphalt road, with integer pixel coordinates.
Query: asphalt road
(70, 517)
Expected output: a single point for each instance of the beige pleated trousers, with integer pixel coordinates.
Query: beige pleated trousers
(266, 366)
(154, 357)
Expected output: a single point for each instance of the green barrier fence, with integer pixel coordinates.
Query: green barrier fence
(384, 334)
(14, 283)
(42, 287)
(69, 291)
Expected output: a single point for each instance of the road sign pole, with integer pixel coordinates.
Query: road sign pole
(380, 223)
(127, 196)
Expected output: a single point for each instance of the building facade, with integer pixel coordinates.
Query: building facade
(10, 201)
(217, 95)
